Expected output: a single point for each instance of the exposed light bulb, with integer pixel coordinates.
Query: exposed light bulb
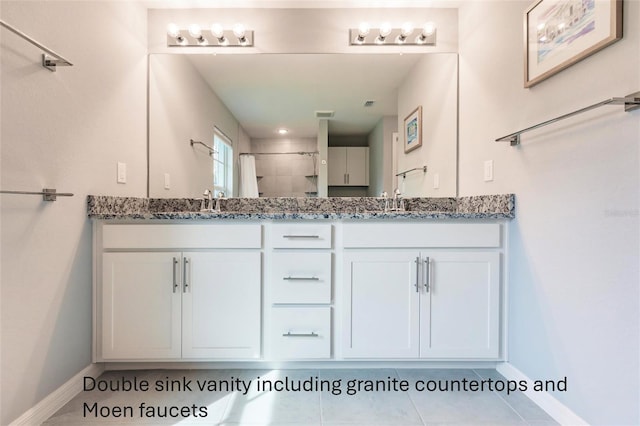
(385, 29)
(218, 32)
(239, 30)
(406, 29)
(195, 31)
(428, 29)
(282, 131)
(173, 30)
(363, 31)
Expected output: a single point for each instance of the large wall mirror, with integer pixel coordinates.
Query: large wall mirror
(244, 99)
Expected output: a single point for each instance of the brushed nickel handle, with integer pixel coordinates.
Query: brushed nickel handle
(186, 267)
(301, 236)
(417, 274)
(427, 274)
(290, 334)
(175, 274)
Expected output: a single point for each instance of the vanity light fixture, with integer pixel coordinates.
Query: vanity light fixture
(214, 36)
(386, 35)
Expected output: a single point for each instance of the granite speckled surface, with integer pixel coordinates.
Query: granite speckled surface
(476, 207)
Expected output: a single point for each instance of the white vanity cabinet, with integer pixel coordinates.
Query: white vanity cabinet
(178, 292)
(348, 166)
(439, 300)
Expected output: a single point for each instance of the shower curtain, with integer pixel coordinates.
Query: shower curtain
(248, 179)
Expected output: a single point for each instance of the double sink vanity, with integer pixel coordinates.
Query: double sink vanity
(299, 279)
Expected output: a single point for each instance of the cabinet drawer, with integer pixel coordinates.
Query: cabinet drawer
(187, 236)
(301, 236)
(301, 332)
(405, 235)
(301, 277)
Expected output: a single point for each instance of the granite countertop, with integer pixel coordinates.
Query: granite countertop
(476, 207)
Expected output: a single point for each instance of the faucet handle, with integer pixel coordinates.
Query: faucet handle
(220, 194)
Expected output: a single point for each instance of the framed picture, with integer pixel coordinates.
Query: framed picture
(559, 33)
(413, 130)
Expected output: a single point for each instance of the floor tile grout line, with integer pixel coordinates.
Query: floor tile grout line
(503, 400)
(413, 403)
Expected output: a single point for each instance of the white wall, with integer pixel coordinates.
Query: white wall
(380, 156)
(432, 84)
(573, 274)
(182, 107)
(65, 130)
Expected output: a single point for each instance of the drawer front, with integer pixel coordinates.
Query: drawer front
(184, 236)
(301, 277)
(301, 332)
(405, 235)
(301, 236)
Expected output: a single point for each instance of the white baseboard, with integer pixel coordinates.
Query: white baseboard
(560, 412)
(57, 399)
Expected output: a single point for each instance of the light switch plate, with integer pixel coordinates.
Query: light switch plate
(488, 170)
(436, 180)
(122, 172)
(167, 181)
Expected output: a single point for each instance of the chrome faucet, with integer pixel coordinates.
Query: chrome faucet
(218, 198)
(398, 202)
(208, 198)
(385, 198)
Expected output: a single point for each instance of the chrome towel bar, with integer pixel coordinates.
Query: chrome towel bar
(404, 174)
(48, 194)
(211, 150)
(50, 61)
(630, 103)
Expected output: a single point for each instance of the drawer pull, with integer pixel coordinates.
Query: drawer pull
(301, 236)
(301, 278)
(290, 334)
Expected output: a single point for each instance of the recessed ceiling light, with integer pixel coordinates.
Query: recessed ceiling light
(282, 131)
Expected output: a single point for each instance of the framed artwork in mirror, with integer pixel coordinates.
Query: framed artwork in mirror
(560, 33)
(413, 130)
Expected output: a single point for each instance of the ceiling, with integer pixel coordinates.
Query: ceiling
(268, 91)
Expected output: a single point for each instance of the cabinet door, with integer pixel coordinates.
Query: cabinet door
(140, 306)
(221, 305)
(337, 167)
(381, 299)
(459, 315)
(357, 166)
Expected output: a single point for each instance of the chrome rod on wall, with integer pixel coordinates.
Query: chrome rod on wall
(50, 60)
(404, 174)
(280, 153)
(630, 103)
(211, 150)
(48, 194)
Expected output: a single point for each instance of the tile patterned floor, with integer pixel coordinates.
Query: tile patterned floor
(331, 405)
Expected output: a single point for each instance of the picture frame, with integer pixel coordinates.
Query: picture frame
(413, 130)
(560, 33)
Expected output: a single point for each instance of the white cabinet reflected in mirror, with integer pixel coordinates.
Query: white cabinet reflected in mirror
(245, 100)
